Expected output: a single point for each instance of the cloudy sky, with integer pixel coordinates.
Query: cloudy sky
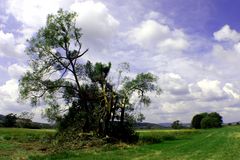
(193, 46)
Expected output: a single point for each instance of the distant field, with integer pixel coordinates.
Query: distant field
(215, 144)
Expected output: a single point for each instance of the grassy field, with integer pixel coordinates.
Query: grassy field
(18, 143)
(209, 144)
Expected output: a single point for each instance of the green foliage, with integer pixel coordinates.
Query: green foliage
(98, 72)
(212, 120)
(207, 120)
(49, 52)
(196, 120)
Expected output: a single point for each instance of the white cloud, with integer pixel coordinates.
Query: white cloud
(173, 44)
(237, 47)
(9, 94)
(178, 107)
(208, 86)
(93, 17)
(231, 90)
(32, 13)
(227, 34)
(152, 15)
(9, 91)
(148, 32)
(95, 20)
(9, 45)
(151, 34)
(173, 83)
(208, 90)
(16, 70)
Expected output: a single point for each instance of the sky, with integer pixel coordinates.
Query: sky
(192, 46)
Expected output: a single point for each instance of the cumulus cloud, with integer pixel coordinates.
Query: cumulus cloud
(16, 70)
(32, 13)
(9, 101)
(201, 96)
(151, 34)
(93, 17)
(9, 91)
(231, 90)
(227, 34)
(9, 96)
(95, 20)
(9, 46)
(229, 53)
(174, 84)
(210, 86)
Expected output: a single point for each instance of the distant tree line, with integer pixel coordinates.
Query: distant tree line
(22, 120)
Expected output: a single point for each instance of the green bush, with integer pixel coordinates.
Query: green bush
(196, 121)
(207, 120)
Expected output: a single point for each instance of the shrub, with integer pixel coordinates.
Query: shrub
(124, 132)
(196, 121)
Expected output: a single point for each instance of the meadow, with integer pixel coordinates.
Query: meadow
(184, 144)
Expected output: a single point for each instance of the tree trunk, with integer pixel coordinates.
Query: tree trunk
(122, 115)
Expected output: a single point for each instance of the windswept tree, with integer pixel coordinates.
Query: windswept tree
(81, 97)
(56, 72)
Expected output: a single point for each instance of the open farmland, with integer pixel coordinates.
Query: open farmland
(183, 144)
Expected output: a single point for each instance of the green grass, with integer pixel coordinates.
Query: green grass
(157, 136)
(214, 144)
(19, 143)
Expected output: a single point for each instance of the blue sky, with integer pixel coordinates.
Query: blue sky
(193, 46)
